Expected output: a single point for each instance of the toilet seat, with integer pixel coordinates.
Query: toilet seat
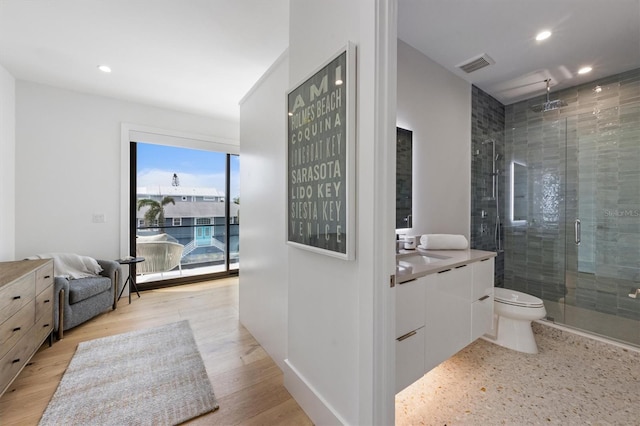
(516, 298)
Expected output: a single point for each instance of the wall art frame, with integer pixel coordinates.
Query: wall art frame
(321, 158)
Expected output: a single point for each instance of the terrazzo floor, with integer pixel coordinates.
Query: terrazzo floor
(573, 380)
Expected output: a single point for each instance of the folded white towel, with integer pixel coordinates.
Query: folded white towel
(443, 242)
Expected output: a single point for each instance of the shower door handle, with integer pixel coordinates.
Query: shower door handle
(577, 227)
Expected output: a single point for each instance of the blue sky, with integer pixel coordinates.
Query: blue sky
(195, 168)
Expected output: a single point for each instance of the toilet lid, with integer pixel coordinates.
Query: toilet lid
(516, 298)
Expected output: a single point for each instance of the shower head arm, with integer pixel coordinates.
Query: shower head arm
(548, 81)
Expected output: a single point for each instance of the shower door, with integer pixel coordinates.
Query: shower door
(602, 222)
(535, 247)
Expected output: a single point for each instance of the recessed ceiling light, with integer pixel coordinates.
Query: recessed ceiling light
(584, 70)
(543, 35)
(104, 68)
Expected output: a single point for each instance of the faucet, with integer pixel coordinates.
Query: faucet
(408, 220)
(634, 293)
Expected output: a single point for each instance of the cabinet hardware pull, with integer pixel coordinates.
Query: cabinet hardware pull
(405, 282)
(47, 301)
(442, 272)
(45, 326)
(17, 297)
(17, 329)
(15, 361)
(46, 277)
(461, 266)
(406, 336)
(484, 260)
(484, 297)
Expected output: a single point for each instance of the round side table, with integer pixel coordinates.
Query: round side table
(131, 279)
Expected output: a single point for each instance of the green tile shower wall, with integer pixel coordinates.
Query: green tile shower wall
(583, 161)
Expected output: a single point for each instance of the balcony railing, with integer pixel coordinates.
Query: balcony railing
(204, 249)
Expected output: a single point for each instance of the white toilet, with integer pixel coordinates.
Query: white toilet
(513, 313)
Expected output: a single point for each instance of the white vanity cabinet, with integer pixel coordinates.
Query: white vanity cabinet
(441, 312)
(410, 296)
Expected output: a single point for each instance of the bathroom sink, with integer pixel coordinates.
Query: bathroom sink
(415, 261)
(422, 259)
(404, 267)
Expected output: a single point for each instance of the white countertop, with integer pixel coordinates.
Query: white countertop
(411, 264)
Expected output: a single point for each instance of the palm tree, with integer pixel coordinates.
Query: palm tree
(156, 210)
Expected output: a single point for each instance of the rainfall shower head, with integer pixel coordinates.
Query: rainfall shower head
(549, 105)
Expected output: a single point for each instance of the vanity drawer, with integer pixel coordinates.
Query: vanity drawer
(482, 278)
(16, 295)
(481, 317)
(409, 358)
(455, 281)
(410, 297)
(16, 327)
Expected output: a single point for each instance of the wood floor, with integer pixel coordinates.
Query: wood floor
(246, 381)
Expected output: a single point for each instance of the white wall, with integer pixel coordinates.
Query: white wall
(68, 166)
(332, 353)
(436, 105)
(7, 165)
(263, 275)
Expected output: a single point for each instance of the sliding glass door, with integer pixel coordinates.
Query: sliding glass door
(186, 213)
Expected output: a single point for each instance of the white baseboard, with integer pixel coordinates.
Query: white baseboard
(318, 410)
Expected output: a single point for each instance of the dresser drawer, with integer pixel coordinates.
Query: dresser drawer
(16, 327)
(16, 358)
(44, 303)
(16, 295)
(44, 277)
(43, 327)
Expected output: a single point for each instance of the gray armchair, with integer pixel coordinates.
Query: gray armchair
(79, 300)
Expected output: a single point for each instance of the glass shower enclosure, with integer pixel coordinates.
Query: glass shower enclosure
(571, 221)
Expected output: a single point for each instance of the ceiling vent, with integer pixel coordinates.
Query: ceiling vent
(476, 63)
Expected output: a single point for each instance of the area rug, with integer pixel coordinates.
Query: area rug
(147, 377)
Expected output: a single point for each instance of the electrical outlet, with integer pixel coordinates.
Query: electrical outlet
(99, 218)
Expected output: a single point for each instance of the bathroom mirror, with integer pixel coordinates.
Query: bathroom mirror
(404, 176)
(519, 191)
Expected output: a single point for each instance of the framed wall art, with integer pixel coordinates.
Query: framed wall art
(321, 158)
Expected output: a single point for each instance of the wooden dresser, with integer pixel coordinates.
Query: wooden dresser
(26, 314)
